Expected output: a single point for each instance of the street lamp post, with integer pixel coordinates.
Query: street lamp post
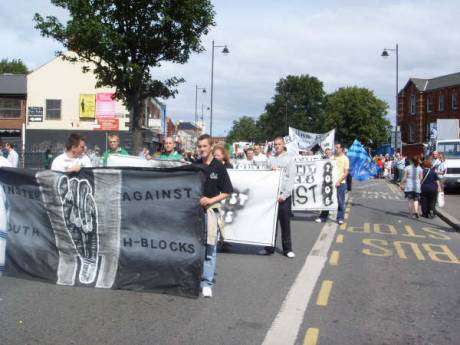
(385, 55)
(225, 51)
(196, 101)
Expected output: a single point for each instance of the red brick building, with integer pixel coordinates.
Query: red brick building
(422, 101)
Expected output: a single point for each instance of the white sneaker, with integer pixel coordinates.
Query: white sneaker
(318, 220)
(340, 221)
(290, 255)
(206, 291)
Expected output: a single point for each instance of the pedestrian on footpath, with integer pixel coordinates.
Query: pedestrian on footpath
(113, 141)
(282, 160)
(411, 184)
(343, 168)
(217, 187)
(74, 158)
(431, 185)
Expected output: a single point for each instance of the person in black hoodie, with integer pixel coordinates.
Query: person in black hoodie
(430, 187)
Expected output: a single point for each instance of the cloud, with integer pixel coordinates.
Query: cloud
(338, 42)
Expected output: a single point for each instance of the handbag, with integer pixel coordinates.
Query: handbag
(441, 200)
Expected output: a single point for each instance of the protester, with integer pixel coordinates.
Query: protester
(430, 187)
(349, 178)
(73, 159)
(95, 156)
(48, 159)
(221, 154)
(411, 183)
(169, 150)
(114, 148)
(258, 155)
(249, 160)
(13, 156)
(282, 160)
(217, 187)
(324, 214)
(3, 161)
(343, 167)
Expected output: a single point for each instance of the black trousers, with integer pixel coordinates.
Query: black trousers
(284, 217)
(429, 203)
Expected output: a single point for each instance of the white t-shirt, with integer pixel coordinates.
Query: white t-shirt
(4, 162)
(13, 158)
(64, 162)
(260, 158)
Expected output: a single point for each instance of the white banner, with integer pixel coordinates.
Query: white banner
(314, 186)
(252, 210)
(305, 141)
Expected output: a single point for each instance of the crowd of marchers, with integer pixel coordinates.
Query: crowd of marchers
(217, 185)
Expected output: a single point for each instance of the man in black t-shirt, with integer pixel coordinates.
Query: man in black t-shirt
(217, 187)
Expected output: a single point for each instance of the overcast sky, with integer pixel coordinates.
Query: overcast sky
(339, 42)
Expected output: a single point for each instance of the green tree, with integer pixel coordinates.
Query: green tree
(124, 39)
(244, 129)
(298, 103)
(356, 113)
(15, 66)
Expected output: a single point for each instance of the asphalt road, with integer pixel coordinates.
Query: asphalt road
(452, 206)
(386, 279)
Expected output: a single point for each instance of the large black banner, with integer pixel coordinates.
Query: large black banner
(136, 229)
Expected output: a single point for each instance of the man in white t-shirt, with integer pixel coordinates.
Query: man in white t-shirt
(13, 156)
(73, 159)
(4, 162)
(258, 155)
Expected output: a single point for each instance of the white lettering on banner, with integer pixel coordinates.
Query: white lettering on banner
(314, 185)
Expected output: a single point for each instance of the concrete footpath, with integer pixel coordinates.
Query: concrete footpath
(451, 210)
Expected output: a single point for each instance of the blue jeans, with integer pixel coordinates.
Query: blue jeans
(341, 200)
(209, 264)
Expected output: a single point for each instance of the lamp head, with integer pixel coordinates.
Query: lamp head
(385, 53)
(204, 90)
(225, 51)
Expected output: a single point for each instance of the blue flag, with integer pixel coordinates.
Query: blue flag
(361, 165)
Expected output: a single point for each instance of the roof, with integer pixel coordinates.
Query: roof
(183, 126)
(436, 83)
(13, 84)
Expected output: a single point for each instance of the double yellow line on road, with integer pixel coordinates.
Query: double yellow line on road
(312, 334)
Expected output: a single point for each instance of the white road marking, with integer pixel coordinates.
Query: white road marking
(285, 327)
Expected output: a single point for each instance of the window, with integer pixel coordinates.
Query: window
(412, 105)
(411, 133)
(428, 104)
(454, 100)
(10, 108)
(441, 103)
(53, 109)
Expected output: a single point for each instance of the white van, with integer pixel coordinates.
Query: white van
(451, 151)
